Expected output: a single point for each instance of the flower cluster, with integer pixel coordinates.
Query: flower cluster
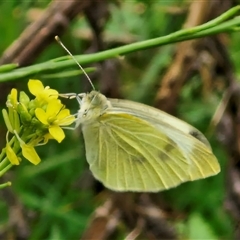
(32, 123)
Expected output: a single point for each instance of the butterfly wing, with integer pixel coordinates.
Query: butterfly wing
(128, 153)
(156, 117)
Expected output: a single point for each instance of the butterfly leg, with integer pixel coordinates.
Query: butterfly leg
(78, 96)
(69, 128)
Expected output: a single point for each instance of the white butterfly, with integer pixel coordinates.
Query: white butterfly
(134, 147)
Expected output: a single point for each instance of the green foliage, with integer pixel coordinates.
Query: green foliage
(55, 193)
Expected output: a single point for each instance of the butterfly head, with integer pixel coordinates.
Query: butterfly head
(92, 105)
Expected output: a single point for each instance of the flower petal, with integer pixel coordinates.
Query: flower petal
(54, 107)
(51, 93)
(66, 121)
(35, 87)
(47, 137)
(30, 154)
(57, 133)
(11, 155)
(64, 113)
(41, 115)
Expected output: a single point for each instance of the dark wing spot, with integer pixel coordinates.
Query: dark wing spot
(167, 150)
(137, 158)
(169, 147)
(163, 156)
(199, 136)
(195, 134)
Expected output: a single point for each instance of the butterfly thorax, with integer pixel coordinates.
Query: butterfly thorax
(92, 106)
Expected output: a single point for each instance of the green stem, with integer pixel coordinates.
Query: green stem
(5, 169)
(217, 25)
(12, 141)
(4, 163)
(3, 154)
(7, 184)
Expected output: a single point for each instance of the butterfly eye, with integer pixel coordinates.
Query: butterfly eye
(85, 113)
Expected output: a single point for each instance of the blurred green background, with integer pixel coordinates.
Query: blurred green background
(57, 198)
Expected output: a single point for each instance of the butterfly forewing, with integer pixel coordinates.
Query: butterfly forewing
(156, 117)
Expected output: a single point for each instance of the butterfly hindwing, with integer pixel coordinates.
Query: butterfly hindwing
(127, 153)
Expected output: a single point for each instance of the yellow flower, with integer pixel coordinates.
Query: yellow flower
(30, 153)
(33, 122)
(11, 155)
(28, 150)
(42, 94)
(54, 117)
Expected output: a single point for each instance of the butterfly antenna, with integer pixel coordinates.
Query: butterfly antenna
(60, 42)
